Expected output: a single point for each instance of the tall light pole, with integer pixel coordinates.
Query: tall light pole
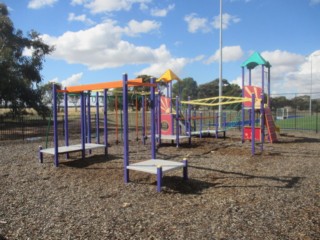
(310, 104)
(220, 66)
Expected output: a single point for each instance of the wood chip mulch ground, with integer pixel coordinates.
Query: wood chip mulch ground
(230, 194)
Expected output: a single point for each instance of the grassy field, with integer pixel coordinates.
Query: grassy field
(301, 123)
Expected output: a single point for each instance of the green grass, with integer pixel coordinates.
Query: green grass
(300, 123)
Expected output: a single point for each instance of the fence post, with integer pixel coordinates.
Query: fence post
(22, 127)
(317, 121)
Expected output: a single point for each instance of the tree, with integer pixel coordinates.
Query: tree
(279, 102)
(47, 98)
(20, 74)
(188, 87)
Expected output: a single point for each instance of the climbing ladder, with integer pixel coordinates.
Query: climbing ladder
(271, 127)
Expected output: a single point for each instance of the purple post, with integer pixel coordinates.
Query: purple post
(262, 121)
(269, 99)
(85, 116)
(253, 137)
(242, 109)
(249, 77)
(97, 119)
(125, 127)
(83, 124)
(89, 118)
(177, 121)
(105, 120)
(185, 169)
(262, 77)
(189, 121)
(159, 178)
(159, 116)
(40, 155)
(55, 125)
(200, 124)
(66, 121)
(153, 130)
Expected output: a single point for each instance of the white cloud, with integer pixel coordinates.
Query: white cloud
(158, 68)
(227, 19)
(80, 18)
(290, 72)
(196, 23)
(135, 27)
(166, 61)
(314, 2)
(78, 2)
(229, 53)
(102, 46)
(100, 6)
(36, 4)
(162, 12)
(72, 80)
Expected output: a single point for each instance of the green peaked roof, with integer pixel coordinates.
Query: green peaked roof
(254, 60)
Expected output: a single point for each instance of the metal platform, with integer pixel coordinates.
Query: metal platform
(151, 166)
(72, 148)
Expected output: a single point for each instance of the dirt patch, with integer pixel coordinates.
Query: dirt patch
(230, 194)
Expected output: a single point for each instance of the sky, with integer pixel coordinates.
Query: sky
(99, 40)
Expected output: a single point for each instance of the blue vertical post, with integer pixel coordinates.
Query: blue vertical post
(40, 155)
(242, 109)
(105, 120)
(159, 116)
(152, 121)
(262, 77)
(85, 116)
(89, 117)
(200, 125)
(55, 125)
(186, 121)
(125, 126)
(97, 119)
(189, 121)
(159, 178)
(66, 121)
(83, 122)
(253, 137)
(216, 124)
(177, 121)
(250, 77)
(269, 99)
(185, 169)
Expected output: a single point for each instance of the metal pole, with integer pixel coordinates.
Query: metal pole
(220, 66)
(310, 105)
(125, 128)
(152, 119)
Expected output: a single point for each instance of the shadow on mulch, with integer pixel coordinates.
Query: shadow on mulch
(190, 186)
(286, 182)
(88, 161)
(300, 140)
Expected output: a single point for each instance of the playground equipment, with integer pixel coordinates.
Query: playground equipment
(262, 108)
(154, 165)
(170, 119)
(85, 128)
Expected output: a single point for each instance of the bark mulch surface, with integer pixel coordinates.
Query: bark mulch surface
(230, 194)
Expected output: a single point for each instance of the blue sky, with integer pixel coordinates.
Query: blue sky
(99, 40)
